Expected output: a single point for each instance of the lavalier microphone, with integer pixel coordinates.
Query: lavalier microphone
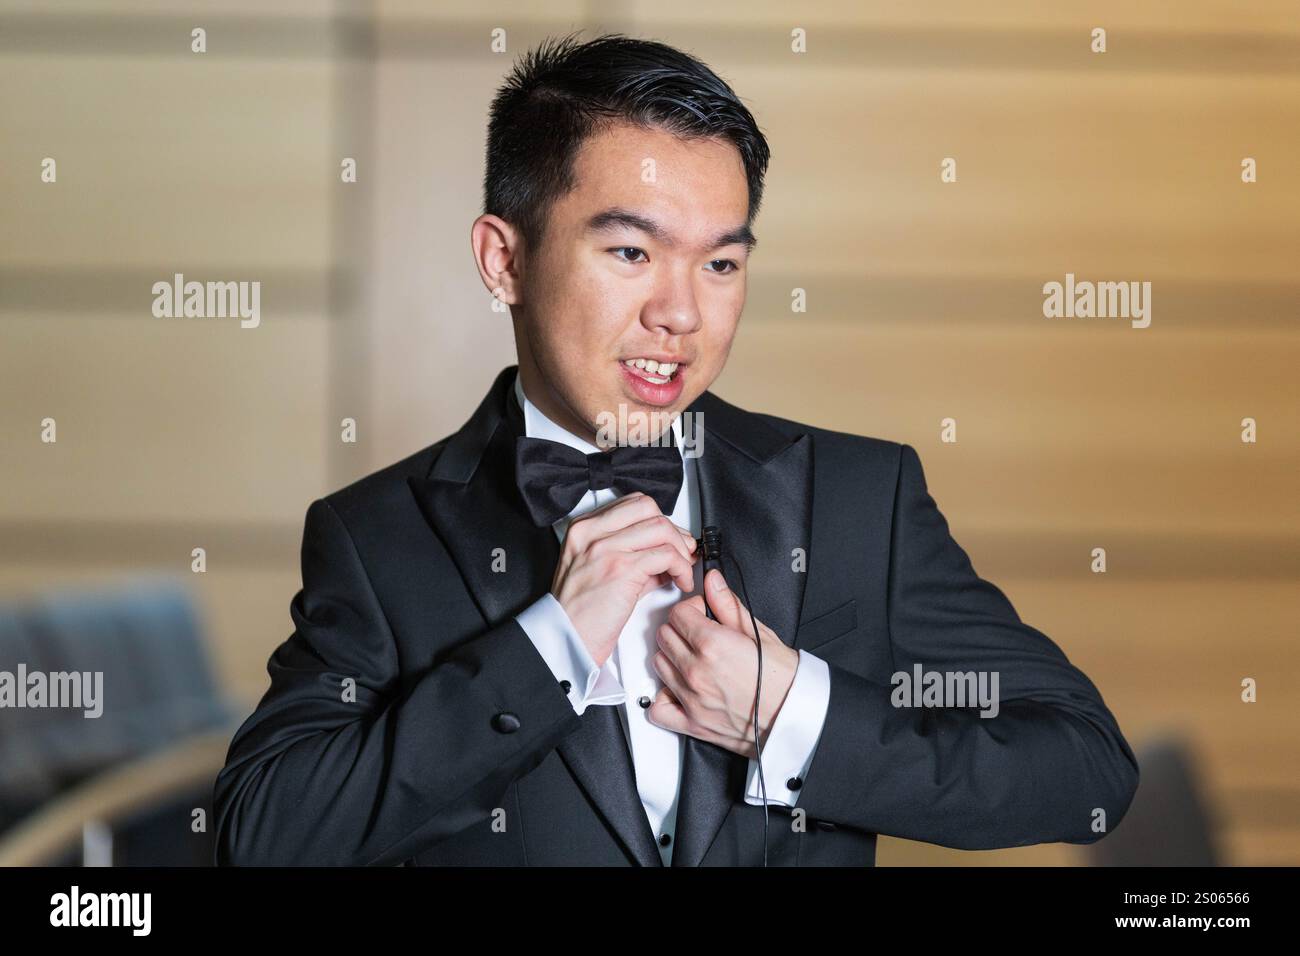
(709, 546)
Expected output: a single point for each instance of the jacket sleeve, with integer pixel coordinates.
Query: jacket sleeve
(1038, 771)
(342, 762)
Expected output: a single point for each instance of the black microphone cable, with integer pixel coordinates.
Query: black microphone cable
(710, 546)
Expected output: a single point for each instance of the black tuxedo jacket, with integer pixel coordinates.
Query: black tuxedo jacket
(410, 720)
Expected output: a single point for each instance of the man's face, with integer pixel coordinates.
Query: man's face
(603, 290)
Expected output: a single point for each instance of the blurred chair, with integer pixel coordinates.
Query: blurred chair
(119, 788)
(1168, 823)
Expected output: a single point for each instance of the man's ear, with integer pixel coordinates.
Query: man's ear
(498, 252)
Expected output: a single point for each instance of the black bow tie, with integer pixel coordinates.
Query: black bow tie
(553, 476)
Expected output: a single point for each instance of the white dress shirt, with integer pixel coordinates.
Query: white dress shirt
(628, 677)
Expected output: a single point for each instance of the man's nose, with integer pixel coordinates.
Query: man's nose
(674, 307)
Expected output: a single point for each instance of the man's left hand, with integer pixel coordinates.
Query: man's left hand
(709, 670)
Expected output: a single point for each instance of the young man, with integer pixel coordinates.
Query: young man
(494, 661)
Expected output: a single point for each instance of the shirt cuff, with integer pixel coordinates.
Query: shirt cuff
(792, 741)
(557, 640)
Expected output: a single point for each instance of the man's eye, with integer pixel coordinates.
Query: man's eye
(626, 249)
(727, 262)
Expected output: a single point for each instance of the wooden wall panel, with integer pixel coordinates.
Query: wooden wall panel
(924, 301)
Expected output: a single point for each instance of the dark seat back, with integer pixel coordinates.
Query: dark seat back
(158, 688)
(1168, 823)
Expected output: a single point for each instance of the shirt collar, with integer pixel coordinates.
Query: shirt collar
(537, 425)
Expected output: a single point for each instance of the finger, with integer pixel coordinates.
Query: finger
(609, 517)
(695, 603)
(654, 582)
(672, 678)
(687, 618)
(673, 645)
(613, 516)
(724, 601)
(667, 712)
(665, 558)
(647, 533)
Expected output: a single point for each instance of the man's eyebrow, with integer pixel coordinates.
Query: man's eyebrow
(615, 218)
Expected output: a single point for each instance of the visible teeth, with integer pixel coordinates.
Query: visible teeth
(659, 373)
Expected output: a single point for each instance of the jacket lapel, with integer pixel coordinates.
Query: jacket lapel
(471, 500)
(755, 487)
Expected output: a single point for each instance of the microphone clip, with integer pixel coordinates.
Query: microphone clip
(709, 544)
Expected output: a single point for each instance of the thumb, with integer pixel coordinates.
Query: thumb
(724, 601)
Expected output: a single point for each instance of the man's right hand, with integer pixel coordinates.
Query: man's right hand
(610, 559)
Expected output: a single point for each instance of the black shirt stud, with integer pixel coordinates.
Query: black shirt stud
(505, 723)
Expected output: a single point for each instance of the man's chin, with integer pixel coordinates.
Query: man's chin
(629, 422)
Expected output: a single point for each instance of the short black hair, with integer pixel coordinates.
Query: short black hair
(563, 91)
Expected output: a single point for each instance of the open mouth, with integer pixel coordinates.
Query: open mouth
(652, 381)
(656, 373)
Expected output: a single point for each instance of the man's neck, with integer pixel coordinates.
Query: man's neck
(537, 421)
